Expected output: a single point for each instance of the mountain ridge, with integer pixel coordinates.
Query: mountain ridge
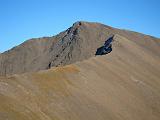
(121, 85)
(77, 43)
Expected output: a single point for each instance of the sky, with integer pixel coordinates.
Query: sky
(21, 20)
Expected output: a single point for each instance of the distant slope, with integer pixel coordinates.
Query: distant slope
(122, 85)
(79, 42)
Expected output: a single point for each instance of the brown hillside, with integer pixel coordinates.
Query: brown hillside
(122, 85)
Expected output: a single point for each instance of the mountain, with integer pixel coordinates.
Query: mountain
(89, 72)
(123, 85)
(77, 43)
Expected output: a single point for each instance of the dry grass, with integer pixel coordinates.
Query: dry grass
(123, 85)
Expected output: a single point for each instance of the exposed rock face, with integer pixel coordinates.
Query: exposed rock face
(77, 43)
(106, 48)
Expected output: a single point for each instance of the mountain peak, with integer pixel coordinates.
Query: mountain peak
(77, 43)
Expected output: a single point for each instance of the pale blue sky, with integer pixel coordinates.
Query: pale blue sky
(24, 19)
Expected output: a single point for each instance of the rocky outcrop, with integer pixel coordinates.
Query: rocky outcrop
(106, 48)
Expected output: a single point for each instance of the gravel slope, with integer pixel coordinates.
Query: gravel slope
(122, 85)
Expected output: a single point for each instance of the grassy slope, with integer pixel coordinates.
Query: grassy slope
(123, 85)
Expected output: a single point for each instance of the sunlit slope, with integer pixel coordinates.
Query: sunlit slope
(122, 85)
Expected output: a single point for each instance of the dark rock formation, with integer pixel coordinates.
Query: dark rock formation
(106, 48)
